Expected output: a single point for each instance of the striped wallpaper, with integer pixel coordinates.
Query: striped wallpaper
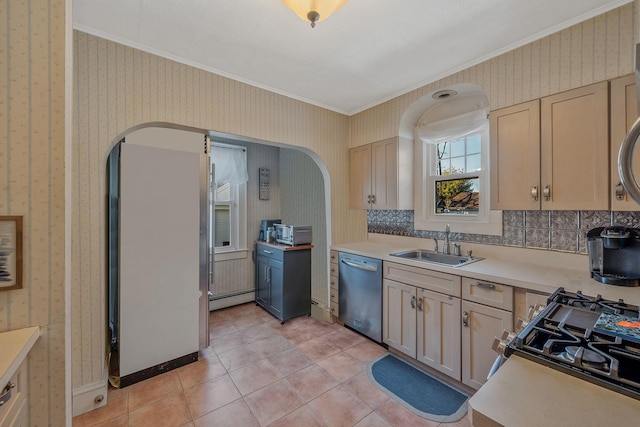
(594, 50)
(32, 174)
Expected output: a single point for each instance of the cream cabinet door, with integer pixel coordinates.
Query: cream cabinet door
(480, 325)
(360, 177)
(439, 332)
(399, 316)
(624, 112)
(575, 149)
(384, 174)
(515, 157)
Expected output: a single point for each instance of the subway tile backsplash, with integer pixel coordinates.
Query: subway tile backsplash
(563, 231)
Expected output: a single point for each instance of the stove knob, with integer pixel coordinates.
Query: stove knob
(521, 324)
(500, 344)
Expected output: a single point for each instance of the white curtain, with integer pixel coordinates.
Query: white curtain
(452, 128)
(230, 164)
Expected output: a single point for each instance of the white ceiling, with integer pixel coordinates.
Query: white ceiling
(369, 51)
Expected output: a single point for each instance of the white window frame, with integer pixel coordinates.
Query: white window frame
(485, 222)
(238, 217)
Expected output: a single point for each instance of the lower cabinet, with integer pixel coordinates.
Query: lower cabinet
(423, 324)
(13, 412)
(449, 333)
(283, 280)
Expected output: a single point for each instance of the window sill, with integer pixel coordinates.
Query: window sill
(231, 254)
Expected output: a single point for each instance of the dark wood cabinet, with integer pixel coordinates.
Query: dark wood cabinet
(283, 280)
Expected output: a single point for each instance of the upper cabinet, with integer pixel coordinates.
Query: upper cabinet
(624, 111)
(381, 175)
(553, 155)
(515, 157)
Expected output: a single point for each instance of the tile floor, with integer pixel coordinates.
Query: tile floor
(257, 372)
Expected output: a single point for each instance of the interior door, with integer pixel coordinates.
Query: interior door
(162, 213)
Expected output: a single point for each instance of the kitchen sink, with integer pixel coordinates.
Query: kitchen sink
(424, 255)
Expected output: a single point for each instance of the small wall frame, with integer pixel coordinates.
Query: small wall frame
(10, 252)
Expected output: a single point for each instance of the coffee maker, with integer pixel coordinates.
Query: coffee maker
(614, 255)
(264, 227)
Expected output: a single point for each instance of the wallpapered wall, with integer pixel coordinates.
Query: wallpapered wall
(32, 173)
(116, 88)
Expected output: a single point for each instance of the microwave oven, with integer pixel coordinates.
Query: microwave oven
(293, 235)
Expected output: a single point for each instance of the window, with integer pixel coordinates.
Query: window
(229, 199)
(452, 183)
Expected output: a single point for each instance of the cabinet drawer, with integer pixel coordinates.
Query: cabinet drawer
(334, 309)
(333, 295)
(333, 256)
(269, 252)
(488, 293)
(432, 280)
(333, 283)
(333, 269)
(11, 409)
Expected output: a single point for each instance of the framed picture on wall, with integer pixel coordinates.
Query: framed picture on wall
(10, 252)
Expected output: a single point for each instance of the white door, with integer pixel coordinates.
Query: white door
(160, 255)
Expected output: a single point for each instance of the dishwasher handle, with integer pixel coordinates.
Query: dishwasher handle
(360, 266)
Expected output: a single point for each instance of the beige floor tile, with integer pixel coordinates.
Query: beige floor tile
(220, 329)
(290, 361)
(255, 376)
(319, 328)
(156, 388)
(365, 390)
(170, 411)
(200, 371)
(311, 382)
(344, 338)
(399, 416)
(228, 342)
(339, 408)
(259, 332)
(366, 351)
(235, 414)
(301, 417)
(299, 335)
(273, 402)
(211, 395)
(239, 357)
(341, 366)
(318, 349)
(373, 420)
(271, 345)
(117, 406)
(248, 321)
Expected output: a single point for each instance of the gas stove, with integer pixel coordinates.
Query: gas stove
(567, 335)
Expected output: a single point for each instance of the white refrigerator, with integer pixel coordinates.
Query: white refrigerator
(159, 281)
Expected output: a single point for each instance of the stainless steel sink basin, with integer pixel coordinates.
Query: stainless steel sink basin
(436, 257)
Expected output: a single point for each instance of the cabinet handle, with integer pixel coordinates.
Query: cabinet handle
(369, 198)
(547, 193)
(266, 273)
(534, 193)
(373, 199)
(465, 319)
(619, 191)
(485, 285)
(420, 304)
(267, 252)
(413, 302)
(5, 394)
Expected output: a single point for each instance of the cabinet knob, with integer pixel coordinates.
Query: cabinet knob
(413, 302)
(465, 319)
(547, 193)
(420, 304)
(619, 189)
(534, 193)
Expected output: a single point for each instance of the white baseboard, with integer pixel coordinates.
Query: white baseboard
(89, 397)
(231, 301)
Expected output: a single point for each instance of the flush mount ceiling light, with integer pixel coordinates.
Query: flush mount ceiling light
(314, 10)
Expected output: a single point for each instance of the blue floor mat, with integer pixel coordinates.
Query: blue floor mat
(420, 392)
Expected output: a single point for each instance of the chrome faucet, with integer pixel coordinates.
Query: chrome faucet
(435, 245)
(445, 247)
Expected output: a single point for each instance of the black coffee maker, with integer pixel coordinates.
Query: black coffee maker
(614, 255)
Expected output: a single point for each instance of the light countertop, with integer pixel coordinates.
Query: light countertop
(523, 393)
(14, 348)
(543, 272)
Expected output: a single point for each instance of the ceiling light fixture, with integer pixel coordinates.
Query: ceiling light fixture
(314, 10)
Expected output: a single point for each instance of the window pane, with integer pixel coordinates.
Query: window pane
(444, 167)
(443, 150)
(223, 191)
(223, 226)
(457, 165)
(473, 144)
(457, 147)
(474, 163)
(457, 196)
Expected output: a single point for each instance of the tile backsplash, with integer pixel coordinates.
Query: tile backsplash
(550, 230)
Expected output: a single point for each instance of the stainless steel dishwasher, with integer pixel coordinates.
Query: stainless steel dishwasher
(360, 283)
